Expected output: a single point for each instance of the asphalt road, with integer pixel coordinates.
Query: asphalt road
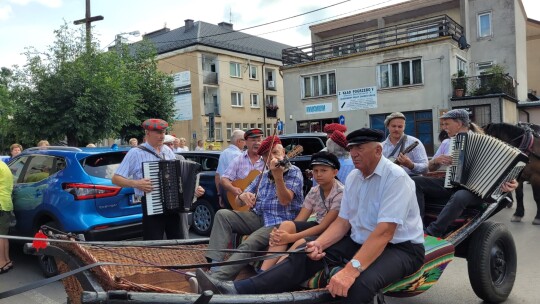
(453, 287)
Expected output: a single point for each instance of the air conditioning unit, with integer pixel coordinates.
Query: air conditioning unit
(271, 84)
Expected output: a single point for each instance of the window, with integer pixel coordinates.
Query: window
(484, 25)
(229, 130)
(252, 125)
(461, 64)
(245, 126)
(254, 101)
(319, 85)
(395, 74)
(238, 126)
(236, 99)
(260, 126)
(482, 67)
(40, 168)
(217, 131)
(235, 70)
(253, 72)
(269, 129)
(271, 100)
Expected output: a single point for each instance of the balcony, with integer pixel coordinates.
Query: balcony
(210, 78)
(271, 85)
(422, 30)
(483, 85)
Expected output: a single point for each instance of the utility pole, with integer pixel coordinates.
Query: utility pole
(88, 21)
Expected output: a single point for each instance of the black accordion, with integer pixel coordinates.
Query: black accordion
(482, 163)
(173, 182)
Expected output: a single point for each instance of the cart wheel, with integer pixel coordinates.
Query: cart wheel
(492, 262)
(46, 262)
(203, 217)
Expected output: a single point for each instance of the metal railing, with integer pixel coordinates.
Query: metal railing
(425, 29)
(483, 85)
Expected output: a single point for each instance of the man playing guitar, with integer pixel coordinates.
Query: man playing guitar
(416, 161)
(241, 166)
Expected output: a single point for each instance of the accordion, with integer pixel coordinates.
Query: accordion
(481, 164)
(173, 182)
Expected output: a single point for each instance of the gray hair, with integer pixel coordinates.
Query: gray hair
(237, 135)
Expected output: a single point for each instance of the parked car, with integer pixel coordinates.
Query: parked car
(70, 189)
(206, 206)
(312, 143)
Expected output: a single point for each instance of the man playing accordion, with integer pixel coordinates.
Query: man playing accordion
(457, 199)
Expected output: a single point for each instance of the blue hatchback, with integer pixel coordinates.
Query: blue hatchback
(70, 189)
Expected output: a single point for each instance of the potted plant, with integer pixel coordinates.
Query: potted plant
(271, 110)
(460, 83)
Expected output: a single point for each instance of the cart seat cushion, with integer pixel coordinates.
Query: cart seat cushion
(439, 253)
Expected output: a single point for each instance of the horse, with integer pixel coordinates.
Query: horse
(525, 137)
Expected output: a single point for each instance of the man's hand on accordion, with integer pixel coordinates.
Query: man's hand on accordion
(143, 184)
(510, 186)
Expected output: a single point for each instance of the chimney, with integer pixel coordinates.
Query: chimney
(226, 25)
(188, 24)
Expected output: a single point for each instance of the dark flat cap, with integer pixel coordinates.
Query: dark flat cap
(364, 135)
(324, 158)
(154, 124)
(252, 133)
(266, 143)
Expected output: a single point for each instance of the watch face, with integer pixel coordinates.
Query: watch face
(355, 263)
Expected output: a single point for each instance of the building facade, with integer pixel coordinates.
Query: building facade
(224, 80)
(410, 57)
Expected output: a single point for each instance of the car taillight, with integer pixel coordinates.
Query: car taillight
(89, 191)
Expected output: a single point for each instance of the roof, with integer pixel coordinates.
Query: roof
(222, 37)
(529, 104)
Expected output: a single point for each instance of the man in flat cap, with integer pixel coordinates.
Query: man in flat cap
(414, 162)
(129, 174)
(276, 198)
(432, 189)
(385, 243)
(242, 164)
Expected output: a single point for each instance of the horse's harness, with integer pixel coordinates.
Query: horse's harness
(527, 142)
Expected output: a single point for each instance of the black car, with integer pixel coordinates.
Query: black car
(206, 206)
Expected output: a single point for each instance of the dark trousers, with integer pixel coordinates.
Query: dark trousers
(396, 262)
(155, 225)
(454, 201)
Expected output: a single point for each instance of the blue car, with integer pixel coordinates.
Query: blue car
(70, 189)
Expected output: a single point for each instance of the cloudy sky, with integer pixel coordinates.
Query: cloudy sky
(26, 23)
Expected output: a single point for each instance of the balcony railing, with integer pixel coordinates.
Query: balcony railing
(425, 29)
(484, 85)
(210, 78)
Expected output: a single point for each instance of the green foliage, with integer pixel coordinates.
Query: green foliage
(494, 81)
(79, 95)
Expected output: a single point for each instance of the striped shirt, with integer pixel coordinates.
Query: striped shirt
(226, 157)
(267, 204)
(131, 166)
(418, 155)
(240, 167)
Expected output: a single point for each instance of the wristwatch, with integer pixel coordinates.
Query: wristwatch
(356, 264)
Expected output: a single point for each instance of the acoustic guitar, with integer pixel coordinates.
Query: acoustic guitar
(405, 151)
(244, 182)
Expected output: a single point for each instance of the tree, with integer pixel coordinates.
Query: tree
(6, 110)
(79, 95)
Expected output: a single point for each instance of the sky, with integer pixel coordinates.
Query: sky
(25, 23)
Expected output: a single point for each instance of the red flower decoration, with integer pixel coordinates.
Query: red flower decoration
(39, 244)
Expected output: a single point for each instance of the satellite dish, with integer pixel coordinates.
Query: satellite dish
(462, 42)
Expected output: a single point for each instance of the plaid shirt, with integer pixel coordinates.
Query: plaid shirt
(418, 155)
(240, 167)
(267, 204)
(131, 166)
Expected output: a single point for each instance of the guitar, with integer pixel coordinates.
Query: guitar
(244, 182)
(405, 151)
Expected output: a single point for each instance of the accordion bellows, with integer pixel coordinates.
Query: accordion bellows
(482, 163)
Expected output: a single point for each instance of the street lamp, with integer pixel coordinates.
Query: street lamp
(119, 37)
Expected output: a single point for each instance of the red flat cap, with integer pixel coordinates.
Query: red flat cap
(154, 124)
(266, 143)
(339, 138)
(329, 128)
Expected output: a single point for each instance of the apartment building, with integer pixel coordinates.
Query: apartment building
(224, 80)
(407, 57)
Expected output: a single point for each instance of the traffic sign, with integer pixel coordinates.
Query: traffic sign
(341, 119)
